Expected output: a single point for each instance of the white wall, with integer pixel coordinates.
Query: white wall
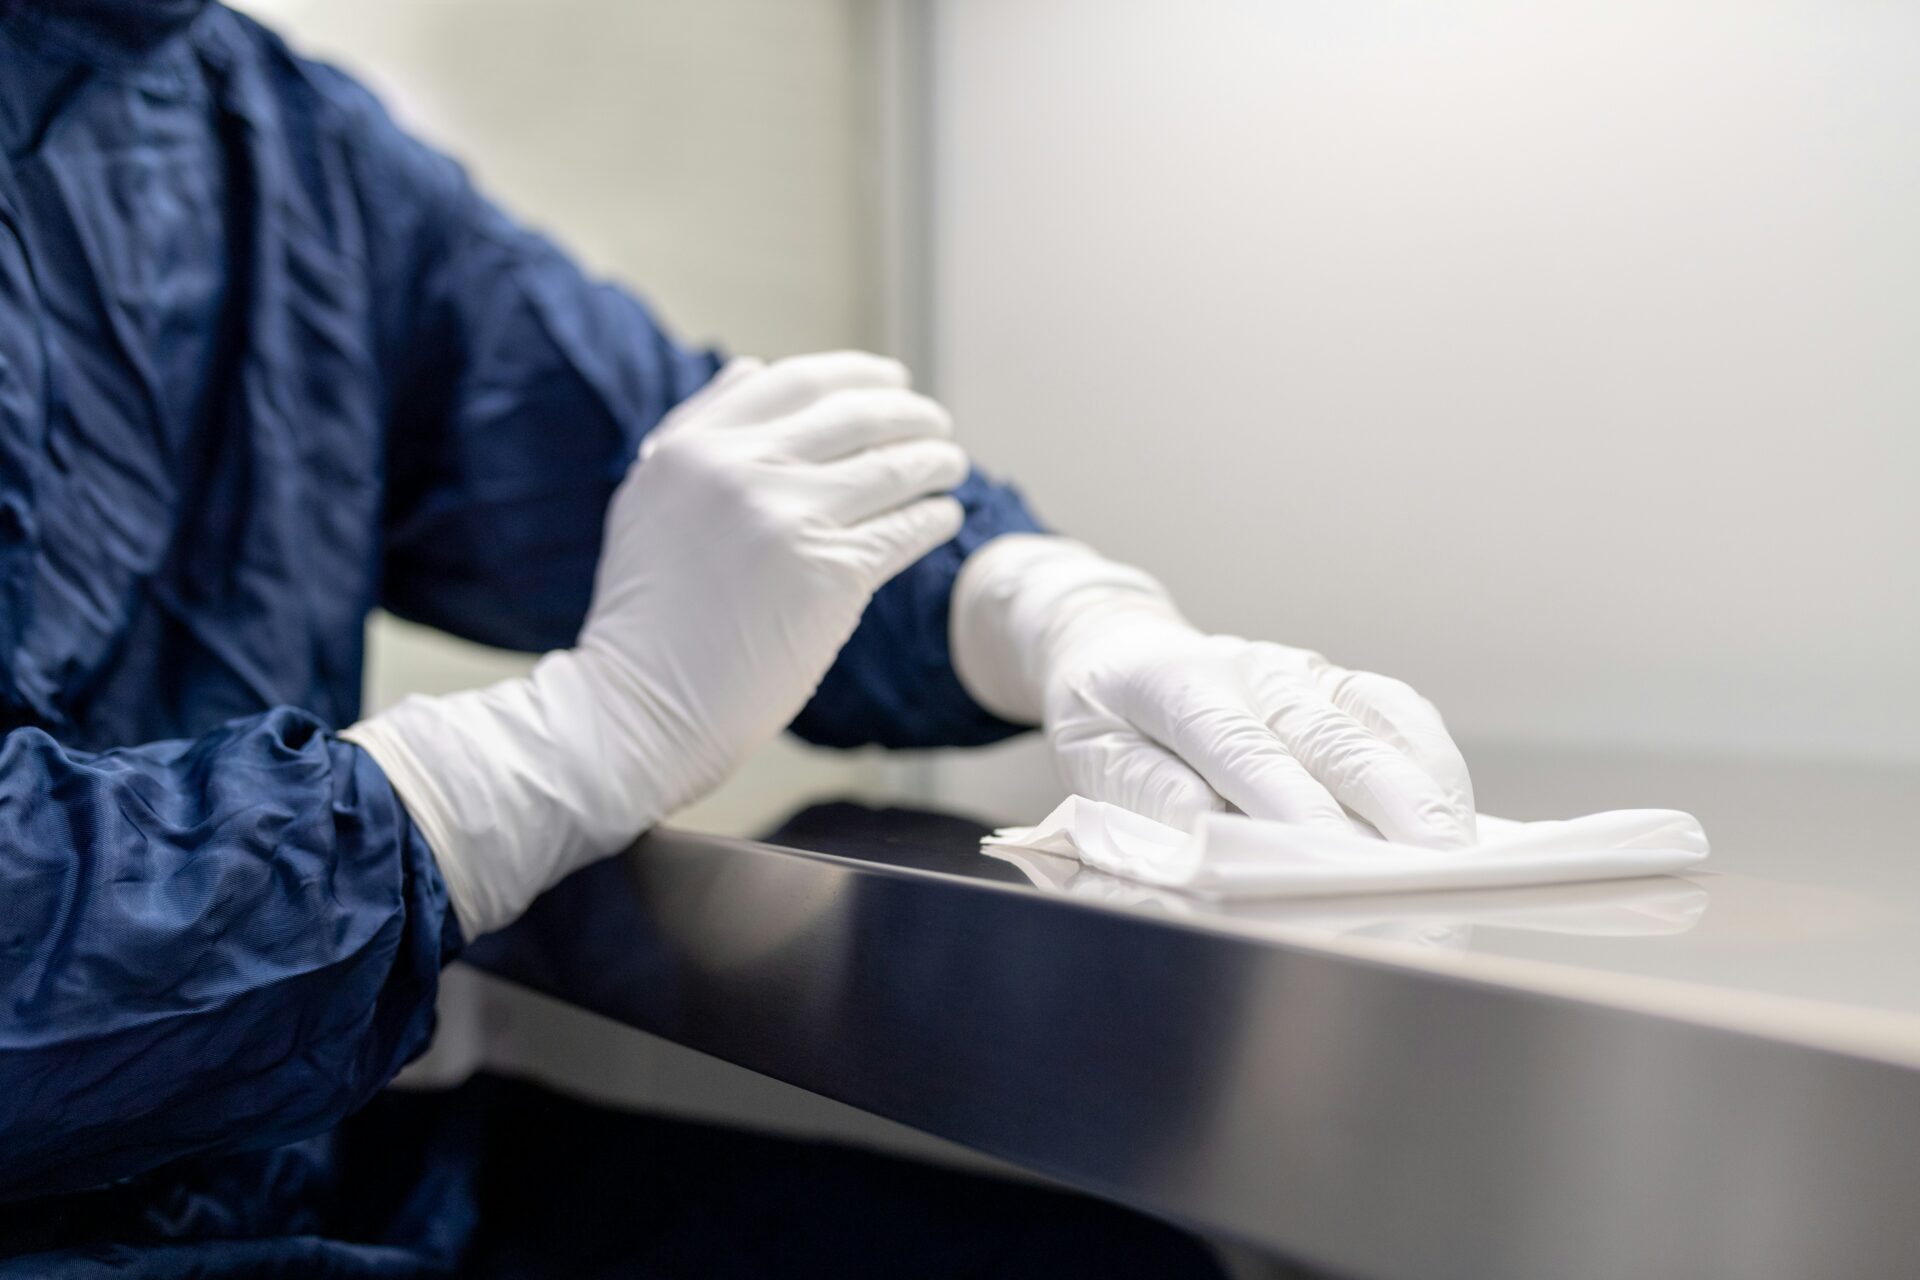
(1563, 359)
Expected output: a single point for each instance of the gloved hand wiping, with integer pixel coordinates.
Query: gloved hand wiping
(1148, 713)
(738, 556)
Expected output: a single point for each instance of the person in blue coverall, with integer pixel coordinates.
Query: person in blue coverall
(266, 362)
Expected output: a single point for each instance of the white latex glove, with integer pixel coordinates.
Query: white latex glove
(738, 556)
(1148, 713)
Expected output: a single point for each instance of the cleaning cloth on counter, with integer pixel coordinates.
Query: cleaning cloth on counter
(1231, 856)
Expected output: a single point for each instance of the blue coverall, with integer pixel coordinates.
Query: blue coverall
(266, 362)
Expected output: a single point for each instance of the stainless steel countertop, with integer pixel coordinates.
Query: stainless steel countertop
(1701, 1077)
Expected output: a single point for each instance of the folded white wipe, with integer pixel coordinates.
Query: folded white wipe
(1230, 856)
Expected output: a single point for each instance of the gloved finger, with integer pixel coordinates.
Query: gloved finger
(790, 385)
(731, 373)
(1216, 729)
(875, 481)
(848, 421)
(1110, 760)
(890, 542)
(1394, 711)
(1366, 774)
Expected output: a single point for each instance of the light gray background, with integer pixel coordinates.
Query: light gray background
(1562, 359)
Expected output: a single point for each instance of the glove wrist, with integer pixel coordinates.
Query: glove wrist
(508, 800)
(1028, 607)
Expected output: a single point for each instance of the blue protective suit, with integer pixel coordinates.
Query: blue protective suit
(265, 363)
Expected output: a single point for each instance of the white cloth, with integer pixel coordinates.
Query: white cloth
(1654, 906)
(1230, 856)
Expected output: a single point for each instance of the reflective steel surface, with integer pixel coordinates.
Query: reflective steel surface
(1715, 1076)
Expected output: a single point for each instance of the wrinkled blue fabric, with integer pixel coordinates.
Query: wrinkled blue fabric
(265, 363)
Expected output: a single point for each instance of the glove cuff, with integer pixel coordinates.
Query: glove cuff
(508, 800)
(1023, 604)
(428, 808)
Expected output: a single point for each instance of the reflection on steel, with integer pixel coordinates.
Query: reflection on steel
(1382, 1119)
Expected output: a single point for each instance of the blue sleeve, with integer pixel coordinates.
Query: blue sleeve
(524, 391)
(211, 944)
